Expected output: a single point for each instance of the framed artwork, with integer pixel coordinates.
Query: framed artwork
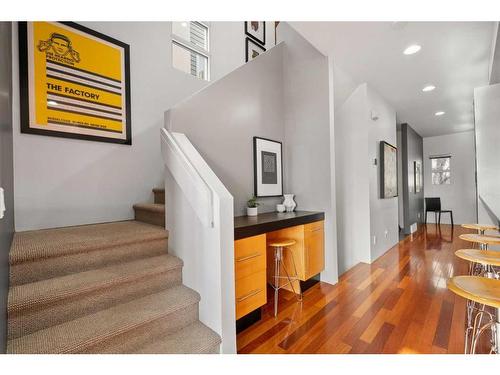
(253, 50)
(388, 170)
(417, 171)
(268, 168)
(74, 83)
(256, 30)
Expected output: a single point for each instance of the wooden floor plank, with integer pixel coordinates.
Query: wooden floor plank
(397, 304)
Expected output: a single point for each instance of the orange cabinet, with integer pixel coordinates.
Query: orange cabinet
(254, 262)
(250, 274)
(308, 251)
(314, 249)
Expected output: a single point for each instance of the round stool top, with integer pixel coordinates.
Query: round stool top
(478, 238)
(478, 289)
(480, 226)
(480, 256)
(282, 242)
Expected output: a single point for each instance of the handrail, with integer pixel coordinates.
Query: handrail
(196, 190)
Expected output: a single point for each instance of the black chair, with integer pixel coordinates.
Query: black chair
(434, 205)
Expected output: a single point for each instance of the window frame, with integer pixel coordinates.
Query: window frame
(183, 43)
(440, 171)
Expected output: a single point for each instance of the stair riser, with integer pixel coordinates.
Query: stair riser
(159, 197)
(36, 317)
(132, 340)
(42, 269)
(150, 217)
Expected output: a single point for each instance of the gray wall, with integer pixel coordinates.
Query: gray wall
(309, 141)
(412, 150)
(6, 171)
(221, 121)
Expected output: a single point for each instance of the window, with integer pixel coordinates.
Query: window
(190, 48)
(441, 172)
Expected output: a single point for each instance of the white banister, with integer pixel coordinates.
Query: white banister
(176, 149)
(199, 218)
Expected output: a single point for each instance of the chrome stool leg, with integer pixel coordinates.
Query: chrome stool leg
(278, 263)
(277, 259)
(493, 324)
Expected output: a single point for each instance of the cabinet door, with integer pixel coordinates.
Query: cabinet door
(249, 256)
(314, 246)
(250, 293)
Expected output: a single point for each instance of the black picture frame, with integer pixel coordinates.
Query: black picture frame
(248, 32)
(417, 177)
(255, 168)
(24, 87)
(247, 47)
(383, 194)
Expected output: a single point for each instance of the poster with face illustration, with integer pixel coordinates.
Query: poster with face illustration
(74, 83)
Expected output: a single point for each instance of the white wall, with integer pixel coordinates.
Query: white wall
(352, 181)
(487, 127)
(361, 213)
(460, 195)
(384, 231)
(309, 142)
(62, 182)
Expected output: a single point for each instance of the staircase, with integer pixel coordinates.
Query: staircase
(103, 288)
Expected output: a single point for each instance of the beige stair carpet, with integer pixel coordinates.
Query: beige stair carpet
(102, 288)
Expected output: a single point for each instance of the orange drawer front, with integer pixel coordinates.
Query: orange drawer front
(249, 256)
(250, 293)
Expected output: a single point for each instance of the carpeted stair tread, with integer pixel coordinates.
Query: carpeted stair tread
(48, 291)
(40, 244)
(195, 338)
(153, 207)
(81, 334)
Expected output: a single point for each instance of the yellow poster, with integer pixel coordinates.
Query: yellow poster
(74, 82)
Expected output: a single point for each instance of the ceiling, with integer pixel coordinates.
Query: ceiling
(454, 58)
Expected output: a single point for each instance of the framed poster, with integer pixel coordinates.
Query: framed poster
(417, 171)
(268, 168)
(74, 83)
(388, 170)
(253, 50)
(256, 30)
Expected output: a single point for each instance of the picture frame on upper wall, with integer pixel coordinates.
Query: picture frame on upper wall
(417, 171)
(268, 167)
(74, 83)
(257, 31)
(388, 170)
(252, 50)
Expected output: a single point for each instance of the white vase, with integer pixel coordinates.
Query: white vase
(251, 211)
(289, 202)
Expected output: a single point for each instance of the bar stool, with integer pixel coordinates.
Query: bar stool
(484, 292)
(279, 245)
(481, 228)
(486, 260)
(482, 240)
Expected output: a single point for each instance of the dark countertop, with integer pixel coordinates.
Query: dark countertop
(247, 226)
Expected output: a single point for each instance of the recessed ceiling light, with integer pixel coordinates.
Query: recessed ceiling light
(440, 113)
(184, 24)
(428, 88)
(51, 102)
(414, 48)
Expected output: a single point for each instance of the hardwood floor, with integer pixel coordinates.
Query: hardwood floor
(398, 304)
